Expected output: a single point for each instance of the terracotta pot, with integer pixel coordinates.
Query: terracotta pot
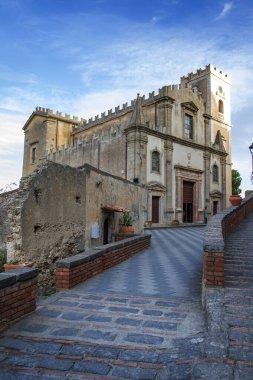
(15, 266)
(126, 229)
(235, 200)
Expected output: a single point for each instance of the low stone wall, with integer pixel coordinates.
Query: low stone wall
(18, 291)
(77, 269)
(218, 228)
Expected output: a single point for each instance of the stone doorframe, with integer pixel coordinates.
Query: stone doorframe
(182, 174)
(215, 196)
(158, 190)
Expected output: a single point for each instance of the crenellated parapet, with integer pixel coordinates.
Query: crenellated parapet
(208, 69)
(166, 91)
(59, 115)
(84, 145)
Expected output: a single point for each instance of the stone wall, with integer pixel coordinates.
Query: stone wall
(218, 228)
(10, 223)
(52, 219)
(18, 291)
(79, 268)
(53, 214)
(103, 189)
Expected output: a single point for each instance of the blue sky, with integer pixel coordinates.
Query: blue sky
(83, 57)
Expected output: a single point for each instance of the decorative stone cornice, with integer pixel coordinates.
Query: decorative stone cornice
(188, 169)
(175, 139)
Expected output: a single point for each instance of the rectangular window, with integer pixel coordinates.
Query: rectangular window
(188, 126)
(33, 155)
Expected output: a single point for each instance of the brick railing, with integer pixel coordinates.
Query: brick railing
(18, 291)
(218, 228)
(77, 269)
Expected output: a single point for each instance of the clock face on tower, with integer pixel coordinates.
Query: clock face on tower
(195, 89)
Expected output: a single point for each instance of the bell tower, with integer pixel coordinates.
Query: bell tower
(214, 86)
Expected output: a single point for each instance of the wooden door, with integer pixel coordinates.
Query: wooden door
(215, 207)
(155, 209)
(188, 202)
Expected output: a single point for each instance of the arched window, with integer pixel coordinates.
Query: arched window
(155, 167)
(215, 173)
(221, 106)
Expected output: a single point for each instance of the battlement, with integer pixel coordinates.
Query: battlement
(58, 115)
(126, 107)
(208, 69)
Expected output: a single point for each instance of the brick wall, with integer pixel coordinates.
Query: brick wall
(76, 269)
(218, 228)
(18, 291)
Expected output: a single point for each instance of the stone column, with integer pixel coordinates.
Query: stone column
(142, 158)
(207, 185)
(131, 148)
(26, 154)
(165, 116)
(168, 170)
(178, 209)
(223, 181)
(137, 156)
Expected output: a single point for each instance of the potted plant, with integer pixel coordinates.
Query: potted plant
(126, 223)
(235, 199)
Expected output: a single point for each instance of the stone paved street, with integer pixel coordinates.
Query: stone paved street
(128, 322)
(143, 319)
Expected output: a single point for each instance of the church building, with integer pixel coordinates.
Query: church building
(175, 143)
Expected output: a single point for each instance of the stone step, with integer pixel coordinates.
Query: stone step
(115, 319)
(53, 357)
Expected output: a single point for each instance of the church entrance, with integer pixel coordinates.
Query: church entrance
(188, 201)
(155, 209)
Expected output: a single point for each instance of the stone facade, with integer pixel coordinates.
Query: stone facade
(59, 211)
(176, 143)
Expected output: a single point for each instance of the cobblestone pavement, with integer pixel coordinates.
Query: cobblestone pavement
(127, 323)
(143, 319)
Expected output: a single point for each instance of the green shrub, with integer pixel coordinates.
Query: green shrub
(126, 219)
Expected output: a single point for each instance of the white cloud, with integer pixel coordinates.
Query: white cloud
(109, 70)
(226, 9)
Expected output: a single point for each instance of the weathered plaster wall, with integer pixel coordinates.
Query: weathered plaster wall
(7, 218)
(52, 219)
(103, 189)
(52, 214)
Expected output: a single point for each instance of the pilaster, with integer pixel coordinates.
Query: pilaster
(207, 179)
(165, 116)
(137, 156)
(168, 170)
(223, 181)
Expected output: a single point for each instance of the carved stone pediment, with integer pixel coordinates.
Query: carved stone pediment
(215, 194)
(191, 106)
(156, 186)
